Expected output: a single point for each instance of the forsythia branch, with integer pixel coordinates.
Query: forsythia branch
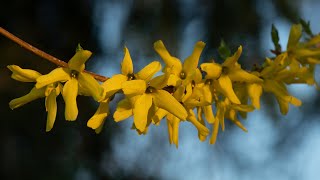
(217, 91)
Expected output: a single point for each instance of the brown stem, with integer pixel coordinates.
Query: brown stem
(44, 54)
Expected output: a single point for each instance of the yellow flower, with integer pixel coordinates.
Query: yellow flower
(144, 97)
(200, 98)
(50, 92)
(303, 57)
(282, 95)
(115, 84)
(200, 92)
(277, 68)
(306, 75)
(141, 94)
(76, 82)
(184, 77)
(110, 87)
(174, 121)
(276, 73)
(303, 51)
(227, 72)
(180, 75)
(225, 109)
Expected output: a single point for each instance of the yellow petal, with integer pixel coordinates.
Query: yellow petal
(152, 112)
(307, 74)
(225, 86)
(294, 36)
(204, 131)
(100, 128)
(133, 99)
(207, 93)
(51, 106)
(56, 75)
(306, 52)
(220, 114)
(188, 92)
(255, 92)
(49, 88)
(191, 63)
(160, 114)
(99, 116)
(311, 60)
(171, 62)
(197, 76)
(164, 100)
(201, 136)
(23, 75)
(231, 61)
(191, 103)
(134, 87)
(240, 125)
(32, 95)
(159, 82)
(196, 98)
(123, 111)
(281, 61)
(126, 65)
(175, 131)
(313, 41)
(213, 70)
(138, 131)
(294, 65)
(273, 66)
(170, 129)
(277, 88)
(69, 93)
(179, 93)
(295, 101)
(208, 114)
(173, 80)
(214, 135)
(148, 71)
(283, 105)
(59, 88)
(140, 111)
(90, 86)
(243, 76)
(78, 60)
(242, 107)
(113, 84)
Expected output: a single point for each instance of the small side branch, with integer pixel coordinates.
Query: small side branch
(43, 54)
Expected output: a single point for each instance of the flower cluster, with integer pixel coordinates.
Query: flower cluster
(203, 95)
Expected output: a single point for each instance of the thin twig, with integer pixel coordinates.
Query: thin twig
(44, 54)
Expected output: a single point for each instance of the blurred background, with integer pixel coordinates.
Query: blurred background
(276, 147)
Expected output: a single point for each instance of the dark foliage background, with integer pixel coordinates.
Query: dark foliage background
(73, 151)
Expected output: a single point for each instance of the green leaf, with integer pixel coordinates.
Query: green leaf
(275, 38)
(79, 48)
(306, 27)
(224, 50)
